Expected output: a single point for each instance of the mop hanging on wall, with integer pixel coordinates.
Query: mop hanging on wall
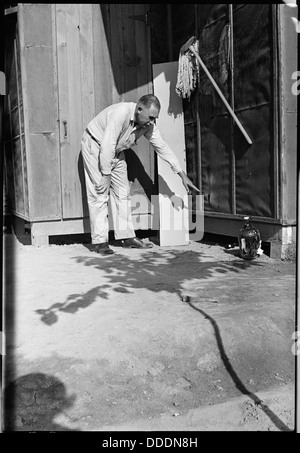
(188, 75)
(188, 71)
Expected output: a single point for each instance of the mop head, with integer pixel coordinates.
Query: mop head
(188, 71)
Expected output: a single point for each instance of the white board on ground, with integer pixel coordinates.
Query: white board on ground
(173, 198)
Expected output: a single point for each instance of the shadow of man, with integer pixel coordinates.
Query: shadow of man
(32, 401)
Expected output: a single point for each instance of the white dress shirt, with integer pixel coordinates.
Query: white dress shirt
(115, 130)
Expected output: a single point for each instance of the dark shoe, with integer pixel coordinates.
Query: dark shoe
(103, 249)
(135, 243)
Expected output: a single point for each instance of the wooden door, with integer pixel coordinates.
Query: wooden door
(76, 99)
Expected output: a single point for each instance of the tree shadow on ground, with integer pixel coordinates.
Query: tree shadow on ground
(32, 401)
(238, 383)
(73, 303)
(152, 270)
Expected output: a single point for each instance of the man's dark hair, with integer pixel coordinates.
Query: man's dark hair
(149, 99)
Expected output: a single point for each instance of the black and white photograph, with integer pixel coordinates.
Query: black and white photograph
(150, 206)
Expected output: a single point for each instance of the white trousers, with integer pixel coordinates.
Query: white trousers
(118, 196)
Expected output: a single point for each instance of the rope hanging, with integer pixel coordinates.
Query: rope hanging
(188, 72)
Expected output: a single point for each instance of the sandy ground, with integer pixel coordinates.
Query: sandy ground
(169, 339)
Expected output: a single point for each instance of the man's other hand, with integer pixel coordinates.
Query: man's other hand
(104, 184)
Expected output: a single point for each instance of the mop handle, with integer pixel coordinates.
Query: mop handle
(222, 96)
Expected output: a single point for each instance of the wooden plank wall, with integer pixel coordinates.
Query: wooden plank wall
(103, 74)
(122, 56)
(144, 85)
(103, 58)
(73, 66)
(87, 63)
(40, 110)
(117, 53)
(123, 73)
(15, 165)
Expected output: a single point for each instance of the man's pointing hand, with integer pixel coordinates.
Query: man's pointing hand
(187, 182)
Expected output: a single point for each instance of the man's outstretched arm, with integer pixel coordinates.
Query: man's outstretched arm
(166, 153)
